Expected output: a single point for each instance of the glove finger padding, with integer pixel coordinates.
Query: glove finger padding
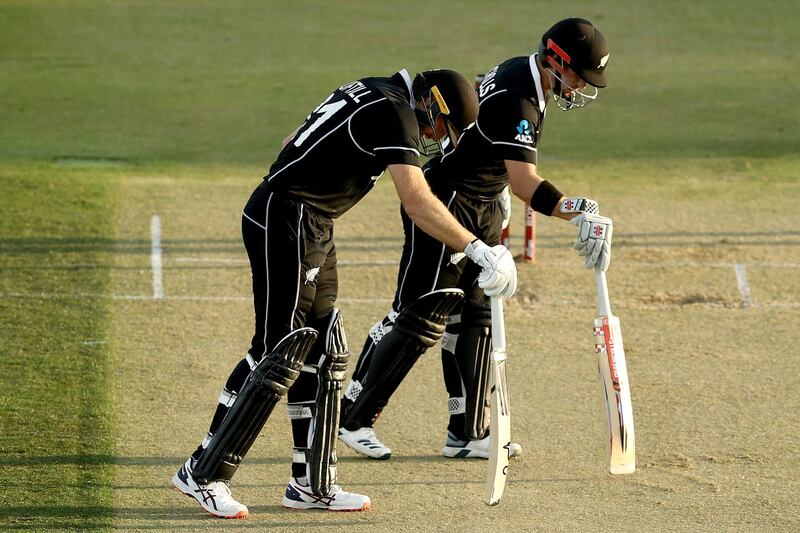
(594, 240)
(511, 287)
(605, 258)
(505, 206)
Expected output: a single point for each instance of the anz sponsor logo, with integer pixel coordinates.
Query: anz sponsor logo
(524, 132)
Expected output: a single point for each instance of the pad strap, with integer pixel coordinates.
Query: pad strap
(263, 388)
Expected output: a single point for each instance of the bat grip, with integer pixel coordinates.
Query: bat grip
(498, 324)
(603, 302)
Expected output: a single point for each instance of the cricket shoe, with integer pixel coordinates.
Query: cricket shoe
(299, 496)
(365, 442)
(474, 449)
(215, 497)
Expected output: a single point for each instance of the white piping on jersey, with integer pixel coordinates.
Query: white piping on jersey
(406, 78)
(299, 268)
(537, 80)
(441, 255)
(266, 268)
(493, 94)
(350, 131)
(345, 121)
(411, 256)
(531, 148)
(444, 156)
(398, 148)
(253, 221)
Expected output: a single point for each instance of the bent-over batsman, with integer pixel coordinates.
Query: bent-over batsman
(299, 348)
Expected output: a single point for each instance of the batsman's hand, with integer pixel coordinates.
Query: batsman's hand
(498, 272)
(594, 240)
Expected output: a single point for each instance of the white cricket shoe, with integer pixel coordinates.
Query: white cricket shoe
(215, 497)
(300, 496)
(474, 449)
(365, 442)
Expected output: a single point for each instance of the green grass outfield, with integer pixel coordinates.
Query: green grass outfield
(111, 112)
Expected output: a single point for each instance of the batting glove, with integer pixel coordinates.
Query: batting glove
(579, 205)
(498, 272)
(505, 206)
(594, 240)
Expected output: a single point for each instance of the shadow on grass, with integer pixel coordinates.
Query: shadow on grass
(95, 460)
(101, 459)
(64, 517)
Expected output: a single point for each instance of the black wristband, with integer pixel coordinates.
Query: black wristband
(545, 198)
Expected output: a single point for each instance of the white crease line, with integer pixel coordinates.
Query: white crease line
(559, 264)
(344, 262)
(138, 297)
(155, 258)
(381, 301)
(744, 287)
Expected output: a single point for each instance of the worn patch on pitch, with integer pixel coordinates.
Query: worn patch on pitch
(689, 298)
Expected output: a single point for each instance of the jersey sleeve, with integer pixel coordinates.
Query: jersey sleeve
(511, 125)
(389, 132)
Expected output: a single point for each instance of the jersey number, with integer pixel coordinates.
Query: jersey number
(325, 111)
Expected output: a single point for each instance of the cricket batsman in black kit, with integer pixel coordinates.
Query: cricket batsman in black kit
(299, 346)
(499, 149)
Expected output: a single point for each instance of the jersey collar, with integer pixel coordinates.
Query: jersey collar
(406, 78)
(537, 81)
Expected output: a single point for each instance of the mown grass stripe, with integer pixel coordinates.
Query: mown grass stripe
(56, 429)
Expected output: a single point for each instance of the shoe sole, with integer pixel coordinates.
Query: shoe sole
(461, 453)
(303, 506)
(383, 457)
(240, 514)
(464, 453)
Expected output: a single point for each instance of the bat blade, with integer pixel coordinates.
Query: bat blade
(616, 394)
(500, 411)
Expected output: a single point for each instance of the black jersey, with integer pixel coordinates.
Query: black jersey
(347, 142)
(509, 125)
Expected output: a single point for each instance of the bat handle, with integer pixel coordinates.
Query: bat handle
(603, 302)
(498, 324)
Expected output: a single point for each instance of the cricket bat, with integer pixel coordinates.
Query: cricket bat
(614, 380)
(499, 408)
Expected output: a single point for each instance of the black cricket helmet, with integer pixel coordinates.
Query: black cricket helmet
(575, 43)
(448, 94)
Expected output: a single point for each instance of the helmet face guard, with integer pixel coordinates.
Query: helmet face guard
(565, 96)
(430, 105)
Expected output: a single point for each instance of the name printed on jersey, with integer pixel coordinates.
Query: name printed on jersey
(355, 90)
(488, 82)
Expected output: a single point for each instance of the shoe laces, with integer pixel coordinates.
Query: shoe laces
(220, 490)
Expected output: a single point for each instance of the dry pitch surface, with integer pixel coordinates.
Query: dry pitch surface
(713, 372)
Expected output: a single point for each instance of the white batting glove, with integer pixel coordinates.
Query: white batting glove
(505, 206)
(594, 240)
(499, 273)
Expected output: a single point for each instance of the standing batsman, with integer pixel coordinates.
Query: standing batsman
(499, 149)
(325, 167)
